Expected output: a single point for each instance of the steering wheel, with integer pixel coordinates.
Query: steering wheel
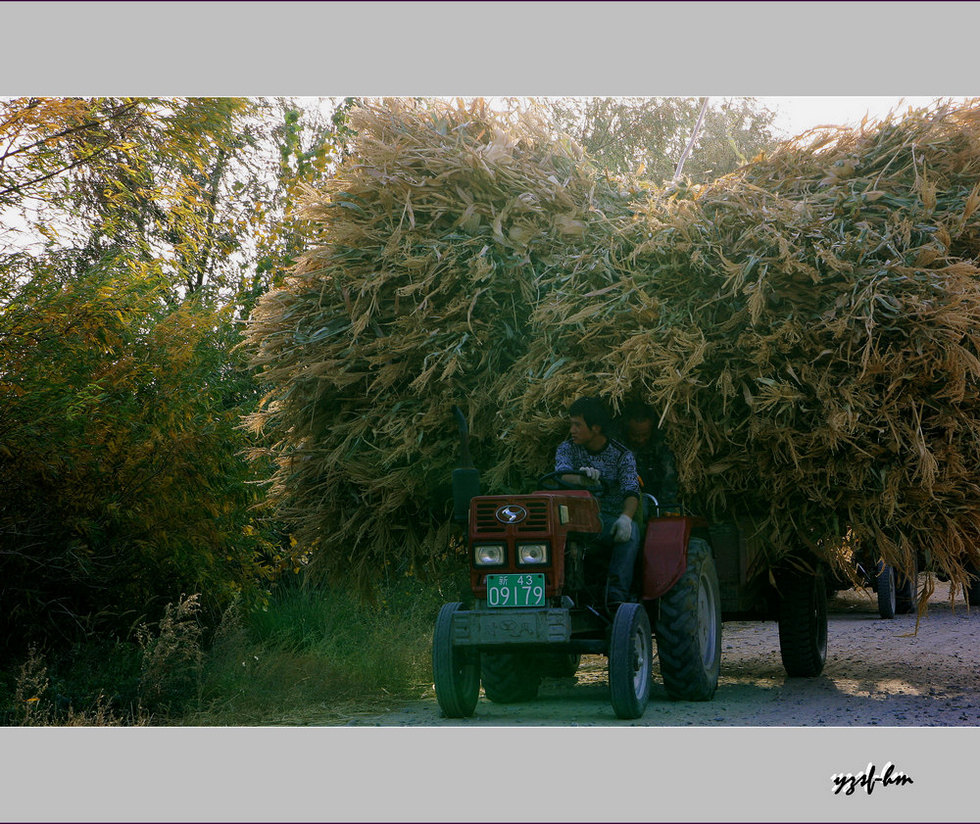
(597, 488)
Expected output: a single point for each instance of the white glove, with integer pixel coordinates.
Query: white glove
(622, 529)
(590, 472)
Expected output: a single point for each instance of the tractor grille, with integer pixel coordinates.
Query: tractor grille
(536, 521)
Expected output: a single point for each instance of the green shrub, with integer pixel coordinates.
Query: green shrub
(172, 659)
(92, 685)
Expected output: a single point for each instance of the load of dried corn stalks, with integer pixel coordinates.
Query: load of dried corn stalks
(807, 328)
(415, 296)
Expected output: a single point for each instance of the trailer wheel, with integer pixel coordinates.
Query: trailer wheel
(972, 588)
(803, 623)
(906, 593)
(689, 629)
(455, 670)
(630, 661)
(887, 586)
(509, 677)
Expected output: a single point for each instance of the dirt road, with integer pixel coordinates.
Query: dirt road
(879, 673)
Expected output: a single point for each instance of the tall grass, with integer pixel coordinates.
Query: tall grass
(318, 656)
(310, 656)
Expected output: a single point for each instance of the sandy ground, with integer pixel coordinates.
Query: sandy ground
(879, 673)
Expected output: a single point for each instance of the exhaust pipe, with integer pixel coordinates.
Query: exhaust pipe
(466, 477)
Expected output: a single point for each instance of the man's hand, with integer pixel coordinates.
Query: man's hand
(590, 472)
(622, 529)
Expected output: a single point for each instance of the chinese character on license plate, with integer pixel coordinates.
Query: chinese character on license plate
(513, 590)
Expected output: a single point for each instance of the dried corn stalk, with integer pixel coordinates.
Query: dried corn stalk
(806, 327)
(809, 329)
(426, 256)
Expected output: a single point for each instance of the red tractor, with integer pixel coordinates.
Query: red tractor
(536, 603)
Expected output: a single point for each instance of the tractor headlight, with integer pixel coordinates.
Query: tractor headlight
(528, 554)
(488, 554)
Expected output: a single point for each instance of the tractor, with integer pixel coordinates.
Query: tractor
(535, 600)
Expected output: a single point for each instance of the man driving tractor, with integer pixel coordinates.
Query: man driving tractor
(590, 452)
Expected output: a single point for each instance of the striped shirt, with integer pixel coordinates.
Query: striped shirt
(616, 466)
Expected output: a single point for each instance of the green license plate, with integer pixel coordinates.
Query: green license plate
(513, 590)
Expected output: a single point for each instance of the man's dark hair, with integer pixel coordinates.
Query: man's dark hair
(637, 411)
(593, 411)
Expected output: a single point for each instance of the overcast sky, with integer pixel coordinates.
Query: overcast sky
(797, 114)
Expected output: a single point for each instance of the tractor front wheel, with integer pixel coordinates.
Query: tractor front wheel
(455, 670)
(630, 661)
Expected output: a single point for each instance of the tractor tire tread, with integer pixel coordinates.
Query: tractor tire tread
(803, 624)
(457, 680)
(681, 661)
(629, 700)
(509, 677)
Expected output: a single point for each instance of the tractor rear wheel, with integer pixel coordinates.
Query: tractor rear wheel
(630, 661)
(509, 677)
(803, 623)
(455, 670)
(689, 629)
(559, 664)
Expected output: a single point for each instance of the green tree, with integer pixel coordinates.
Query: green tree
(186, 187)
(310, 144)
(647, 135)
(133, 228)
(120, 467)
